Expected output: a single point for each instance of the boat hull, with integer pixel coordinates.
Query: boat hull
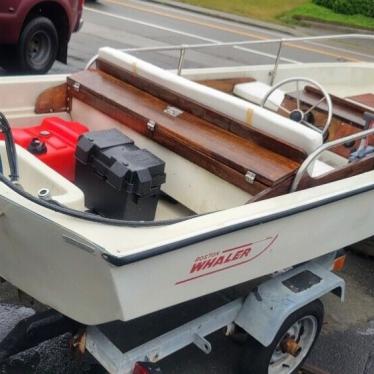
(62, 268)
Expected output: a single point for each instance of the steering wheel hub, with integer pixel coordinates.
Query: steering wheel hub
(297, 115)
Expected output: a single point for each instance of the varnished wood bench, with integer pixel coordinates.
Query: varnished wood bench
(207, 144)
(350, 110)
(225, 85)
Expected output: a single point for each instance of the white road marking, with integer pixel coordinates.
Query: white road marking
(173, 13)
(190, 35)
(198, 16)
(340, 49)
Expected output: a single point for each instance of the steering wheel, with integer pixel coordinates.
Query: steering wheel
(299, 114)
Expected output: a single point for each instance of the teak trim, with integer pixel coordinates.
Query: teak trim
(356, 106)
(52, 100)
(345, 171)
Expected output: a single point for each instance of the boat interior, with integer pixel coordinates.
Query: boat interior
(225, 140)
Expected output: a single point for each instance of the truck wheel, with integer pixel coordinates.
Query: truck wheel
(38, 46)
(8, 58)
(290, 347)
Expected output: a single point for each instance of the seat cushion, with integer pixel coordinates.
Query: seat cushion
(256, 91)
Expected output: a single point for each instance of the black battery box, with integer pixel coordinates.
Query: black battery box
(118, 179)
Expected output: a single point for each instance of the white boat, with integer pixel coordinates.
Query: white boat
(251, 191)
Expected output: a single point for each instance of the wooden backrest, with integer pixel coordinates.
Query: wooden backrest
(350, 110)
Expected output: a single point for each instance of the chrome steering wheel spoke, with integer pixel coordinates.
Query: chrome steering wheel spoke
(299, 115)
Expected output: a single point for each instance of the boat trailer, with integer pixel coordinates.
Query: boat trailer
(261, 315)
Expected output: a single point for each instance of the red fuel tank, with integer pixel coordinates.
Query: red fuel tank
(54, 142)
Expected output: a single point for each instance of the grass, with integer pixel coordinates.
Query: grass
(285, 11)
(266, 10)
(315, 12)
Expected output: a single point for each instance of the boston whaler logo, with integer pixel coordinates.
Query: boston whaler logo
(214, 262)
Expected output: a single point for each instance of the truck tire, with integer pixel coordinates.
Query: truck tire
(37, 46)
(8, 58)
(302, 327)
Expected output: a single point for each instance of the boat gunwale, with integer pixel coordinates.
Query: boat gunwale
(120, 261)
(170, 247)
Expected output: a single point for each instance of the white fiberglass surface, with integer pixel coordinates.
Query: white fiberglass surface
(340, 79)
(192, 186)
(35, 175)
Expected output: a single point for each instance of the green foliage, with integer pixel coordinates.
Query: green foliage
(319, 13)
(267, 10)
(364, 7)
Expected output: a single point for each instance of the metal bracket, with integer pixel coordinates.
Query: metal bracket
(79, 243)
(173, 111)
(151, 125)
(193, 332)
(250, 177)
(76, 86)
(202, 343)
(262, 317)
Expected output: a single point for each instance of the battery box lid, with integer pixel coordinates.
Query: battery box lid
(114, 157)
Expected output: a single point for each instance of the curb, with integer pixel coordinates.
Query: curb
(310, 22)
(225, 16)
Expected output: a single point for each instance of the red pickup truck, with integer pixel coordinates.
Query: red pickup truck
(34, 33)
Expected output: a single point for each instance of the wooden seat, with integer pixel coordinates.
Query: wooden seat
(225, 85)
(350, 110)
(220, 151)
(364, 100)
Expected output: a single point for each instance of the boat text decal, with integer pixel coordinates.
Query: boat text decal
(216, 261)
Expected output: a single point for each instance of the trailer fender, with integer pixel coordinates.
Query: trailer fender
(268, 305)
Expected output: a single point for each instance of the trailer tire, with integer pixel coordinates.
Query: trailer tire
(257, 359)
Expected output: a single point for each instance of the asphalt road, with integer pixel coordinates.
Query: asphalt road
(134, 24)
(346, 345)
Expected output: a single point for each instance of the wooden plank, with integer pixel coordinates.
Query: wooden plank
(346, 171)
(365, 99)
(183, 134)
(281, 188)
(338, 128)
(52, 100)
(138, 124)
(347, 111)
(225, 85)
(214, 117)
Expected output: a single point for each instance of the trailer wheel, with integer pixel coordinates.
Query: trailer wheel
(290, 347)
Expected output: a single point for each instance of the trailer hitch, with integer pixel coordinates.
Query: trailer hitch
(34, 330)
